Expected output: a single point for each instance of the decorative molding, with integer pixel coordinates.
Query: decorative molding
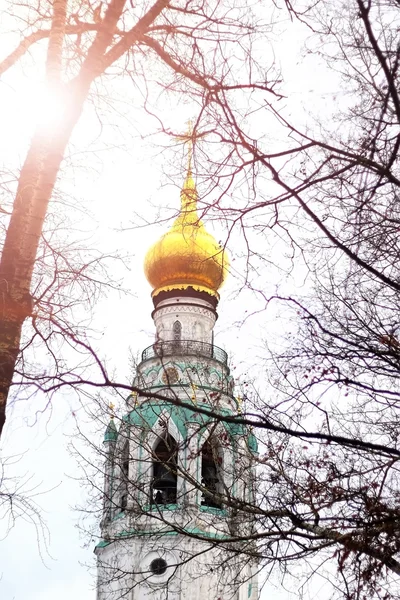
(201, 374)
(190, 308)
(170, 376)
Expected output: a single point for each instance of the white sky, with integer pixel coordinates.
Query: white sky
(120, 182)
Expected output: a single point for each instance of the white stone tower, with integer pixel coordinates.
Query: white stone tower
(176, 473)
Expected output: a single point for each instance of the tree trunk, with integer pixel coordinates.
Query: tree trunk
(36, 184)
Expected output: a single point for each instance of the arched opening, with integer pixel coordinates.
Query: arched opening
(164, 479)
(123, 502)
(177, 333)
(211, 474)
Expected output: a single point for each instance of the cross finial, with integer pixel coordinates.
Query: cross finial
(190, 144)
(135, 395)
(111, 408)
(188, 138)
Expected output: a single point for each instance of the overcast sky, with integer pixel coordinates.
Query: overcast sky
(56, 565)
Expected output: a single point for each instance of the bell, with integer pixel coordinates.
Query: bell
(210, 474)
(163, 478)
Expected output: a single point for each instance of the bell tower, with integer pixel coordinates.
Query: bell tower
(176, 471)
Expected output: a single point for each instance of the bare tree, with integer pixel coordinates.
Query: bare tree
(327, 478)
(20, 500)
(327, 502)
(319, 503)
(338, 208)
(184, 44)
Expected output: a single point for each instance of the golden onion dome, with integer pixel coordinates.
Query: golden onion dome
(187, 255)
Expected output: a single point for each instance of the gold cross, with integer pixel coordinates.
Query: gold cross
(189, 139)
(134, 395)
(111, 406)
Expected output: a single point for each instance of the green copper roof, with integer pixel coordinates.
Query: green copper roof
(146, 414)
(111, 432)
(252, 443)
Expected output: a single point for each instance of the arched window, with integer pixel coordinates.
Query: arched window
(211, 475)
(164, 479)
(123, 503)
(177, 331)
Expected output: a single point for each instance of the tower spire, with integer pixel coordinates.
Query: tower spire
(187, 255)
(190, 145)
(189, 192)
(188, 138)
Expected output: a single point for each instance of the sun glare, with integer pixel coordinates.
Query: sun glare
(48, 105)
(46, 108)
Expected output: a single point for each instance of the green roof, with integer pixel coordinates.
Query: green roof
(111, 432)
(252, 442)
(147, 413)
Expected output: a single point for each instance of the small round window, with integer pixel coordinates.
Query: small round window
(158, 566)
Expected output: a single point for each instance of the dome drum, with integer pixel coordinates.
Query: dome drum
(170, 298)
